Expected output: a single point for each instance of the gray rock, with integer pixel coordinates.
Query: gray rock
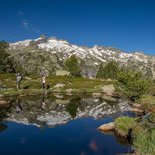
(59, 85)
(108, 89)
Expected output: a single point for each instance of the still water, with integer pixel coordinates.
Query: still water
(60, 126)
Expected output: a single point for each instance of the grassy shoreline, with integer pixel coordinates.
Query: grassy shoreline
(55, 84)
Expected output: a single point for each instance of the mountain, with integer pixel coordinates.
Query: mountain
(49, 54)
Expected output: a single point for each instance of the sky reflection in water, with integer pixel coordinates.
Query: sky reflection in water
(78, 136)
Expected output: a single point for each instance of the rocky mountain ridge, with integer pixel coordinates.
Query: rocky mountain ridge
(50, 54)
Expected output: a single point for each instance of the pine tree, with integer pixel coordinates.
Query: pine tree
(73, 66)
(108, 71)
(6, 64)
(100, 72)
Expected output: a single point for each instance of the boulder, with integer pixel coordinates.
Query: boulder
(137, 110)
(96, 94)
(107, 127)
(62, 73)
(59, 85)
(108, 89)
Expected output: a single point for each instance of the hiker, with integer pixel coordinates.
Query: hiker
(18, 80)
(43, 82)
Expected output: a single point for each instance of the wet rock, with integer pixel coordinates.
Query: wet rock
(107, 127)
(108, 89)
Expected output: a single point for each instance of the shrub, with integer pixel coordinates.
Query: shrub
(108, 71)
(132, 84)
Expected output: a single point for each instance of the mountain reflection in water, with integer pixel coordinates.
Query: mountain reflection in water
(57, 111)
(60, 125)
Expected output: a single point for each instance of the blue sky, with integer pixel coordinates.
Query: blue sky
(125, 24)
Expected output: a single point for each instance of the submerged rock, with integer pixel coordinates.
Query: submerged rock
(107, 127)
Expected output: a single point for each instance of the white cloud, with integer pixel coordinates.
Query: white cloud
(29, 27)
(25, 25)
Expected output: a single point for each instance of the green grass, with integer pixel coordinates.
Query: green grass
(123, 125)
(144, 142)
(147, 101)
(33, 84)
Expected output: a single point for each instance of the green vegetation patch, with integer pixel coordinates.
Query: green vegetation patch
(132, 84)
(144, 142)
(124, 125)
(147, 101)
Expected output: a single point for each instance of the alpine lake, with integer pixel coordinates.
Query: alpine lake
(60, 125)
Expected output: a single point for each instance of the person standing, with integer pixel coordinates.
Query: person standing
(43, 82)
(18, 80)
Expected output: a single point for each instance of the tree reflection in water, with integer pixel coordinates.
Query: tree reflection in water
(72, 107)
(52, 111)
